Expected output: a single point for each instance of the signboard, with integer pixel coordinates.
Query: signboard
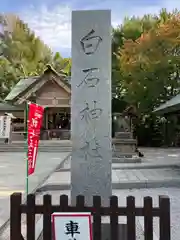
(5, 126)
(35, 116)
(72, 226)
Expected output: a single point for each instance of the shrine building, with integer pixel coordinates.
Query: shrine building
(52, 91)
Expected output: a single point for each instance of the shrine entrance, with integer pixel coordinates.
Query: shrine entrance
(51, 90)
(56, 123)
(59, 121)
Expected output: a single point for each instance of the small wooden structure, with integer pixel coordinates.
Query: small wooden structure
(51, 90)
(31, 209)
(173, 105)
(170, 112)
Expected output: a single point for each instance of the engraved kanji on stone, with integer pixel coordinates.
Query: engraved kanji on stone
(91, 149)
(90, 79)
(89, 114)
(90, 42)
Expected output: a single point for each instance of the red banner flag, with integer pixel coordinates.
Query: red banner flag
(35, 116)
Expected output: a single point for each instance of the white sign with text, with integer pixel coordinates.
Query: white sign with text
(72, 226)
(5, 125)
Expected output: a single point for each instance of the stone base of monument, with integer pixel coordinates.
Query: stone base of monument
(106, 231)
(124, 148)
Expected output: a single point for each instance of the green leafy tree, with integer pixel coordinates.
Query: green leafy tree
(24, 54)
(61, 64)
(24, 50)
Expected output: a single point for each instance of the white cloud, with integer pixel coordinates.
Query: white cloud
(53, 25)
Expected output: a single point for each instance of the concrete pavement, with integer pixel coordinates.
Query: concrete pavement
(63, 178)
(13, 175)
(167, 162)
(122, 179)
(159, 168)
(167, 170)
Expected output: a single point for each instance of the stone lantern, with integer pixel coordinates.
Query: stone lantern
(124, 145)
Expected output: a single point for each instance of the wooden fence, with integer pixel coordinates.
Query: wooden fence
(113, 211)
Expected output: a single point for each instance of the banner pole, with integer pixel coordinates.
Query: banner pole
(26, 147)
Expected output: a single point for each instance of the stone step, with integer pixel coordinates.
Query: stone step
(41, 146)
(40, 149)
(123, 135)
(44, 144)
(55, 148)
(124, 141)
(123, 154)
(126, 160)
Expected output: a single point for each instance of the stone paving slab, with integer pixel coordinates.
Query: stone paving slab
(147, 174)
(64, 178)
(145, 165)
(59, 178)
(120, 175)
(122, 179)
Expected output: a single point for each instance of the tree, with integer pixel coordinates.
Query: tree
(24, 54)
(131, 29)
(8, 76)
(148, 61)
(117, 42)
(61, 64)
(150, 65)
(24, 49)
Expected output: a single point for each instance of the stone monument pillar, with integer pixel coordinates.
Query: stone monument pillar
(91, 105)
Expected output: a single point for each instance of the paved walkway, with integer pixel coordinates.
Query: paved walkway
(123, 179)
(161, 155)
(153, 157)
(135, 174)
(159, 168)
(13, 175)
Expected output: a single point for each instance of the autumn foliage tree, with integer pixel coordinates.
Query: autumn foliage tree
(148, 60)
(150, 65)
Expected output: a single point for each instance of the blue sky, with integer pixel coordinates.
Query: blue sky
(51, 19)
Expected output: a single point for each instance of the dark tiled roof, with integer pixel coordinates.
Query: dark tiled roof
(23, 84)
(8, 107)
